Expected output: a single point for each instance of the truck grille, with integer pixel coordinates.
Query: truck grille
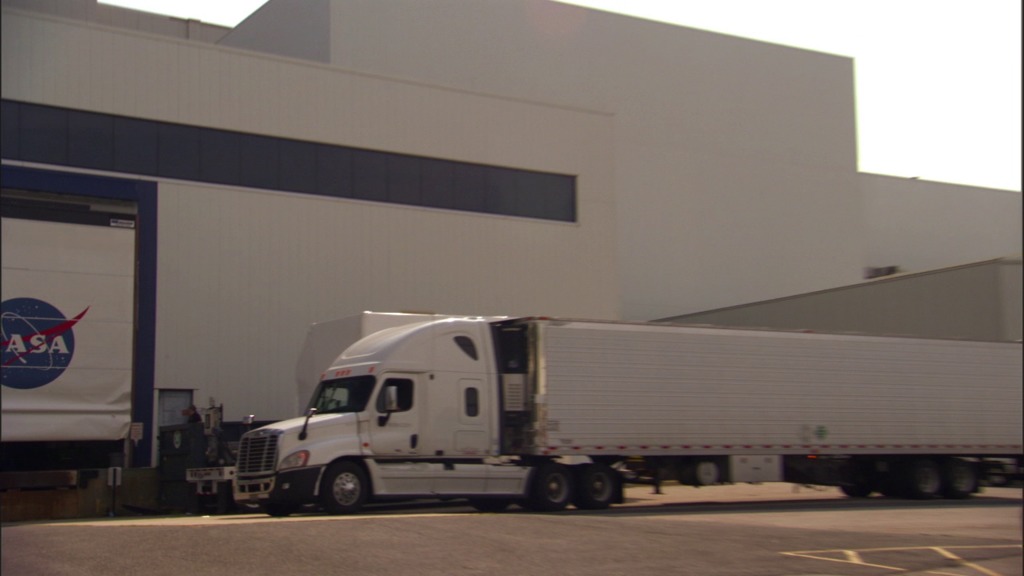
(257, 453)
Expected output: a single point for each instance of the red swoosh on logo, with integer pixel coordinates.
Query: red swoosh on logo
(53, 331)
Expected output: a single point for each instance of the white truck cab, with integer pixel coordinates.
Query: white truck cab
(409, 411)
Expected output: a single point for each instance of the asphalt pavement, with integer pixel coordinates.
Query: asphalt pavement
(744, 530)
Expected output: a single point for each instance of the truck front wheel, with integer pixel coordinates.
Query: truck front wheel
(551, 488)
(345, 488)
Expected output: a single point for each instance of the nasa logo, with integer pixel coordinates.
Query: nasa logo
(38, 342)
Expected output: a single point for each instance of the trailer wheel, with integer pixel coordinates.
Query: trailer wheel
(490, 504)
(551, 488)
(345, 488)
(699, 473)
(595, 487)
(923, 479)
(859, 481)
(857, 490)
(893, 485)
(992, 473)
(959, 479)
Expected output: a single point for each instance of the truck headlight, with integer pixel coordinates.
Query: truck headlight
(294, 460)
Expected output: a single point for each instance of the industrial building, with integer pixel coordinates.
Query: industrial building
(188, 199)
(974, 301)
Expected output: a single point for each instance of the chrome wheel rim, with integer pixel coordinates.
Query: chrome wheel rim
(346, 488)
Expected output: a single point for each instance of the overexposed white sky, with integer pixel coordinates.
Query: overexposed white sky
(938, 81)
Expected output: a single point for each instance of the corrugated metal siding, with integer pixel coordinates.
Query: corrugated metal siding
(979, 301)
(242, 273)
(735, 160)
(727, 158)
(920, 225)
(67, 64)
(715, 170)
(673, 389)
(1011, 296)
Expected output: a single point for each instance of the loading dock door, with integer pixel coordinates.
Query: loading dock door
(68, 312)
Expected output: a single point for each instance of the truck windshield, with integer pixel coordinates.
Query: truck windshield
(343, 395)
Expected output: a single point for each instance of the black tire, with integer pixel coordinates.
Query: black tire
(859, 480)
(345, 488)
(922, 479)
(596, 486)
(992, 473)
(858, 490)
(550, 488)
(959, 479)
(893, 486)
(279, 509)
(490, 504)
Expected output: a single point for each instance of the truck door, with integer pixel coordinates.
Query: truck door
(395, 430)
(472, 434)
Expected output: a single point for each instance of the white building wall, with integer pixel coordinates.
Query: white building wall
(920, 225)
(242, 273)
(110, 15)
(734, 162)
(281, 28)
(711, 171)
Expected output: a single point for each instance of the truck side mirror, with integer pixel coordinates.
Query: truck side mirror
(305, 425)
(387, 404)
(391, 399)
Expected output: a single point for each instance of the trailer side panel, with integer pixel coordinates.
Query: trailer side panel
(650, 389)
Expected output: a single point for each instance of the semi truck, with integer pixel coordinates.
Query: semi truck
(545, 412)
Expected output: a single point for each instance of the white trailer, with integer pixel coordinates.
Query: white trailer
(544, 412)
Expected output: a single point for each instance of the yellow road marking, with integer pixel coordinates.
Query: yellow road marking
(849, 557)
(854, 556)
(963, 562)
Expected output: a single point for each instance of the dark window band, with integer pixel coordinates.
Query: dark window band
(66, 137)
